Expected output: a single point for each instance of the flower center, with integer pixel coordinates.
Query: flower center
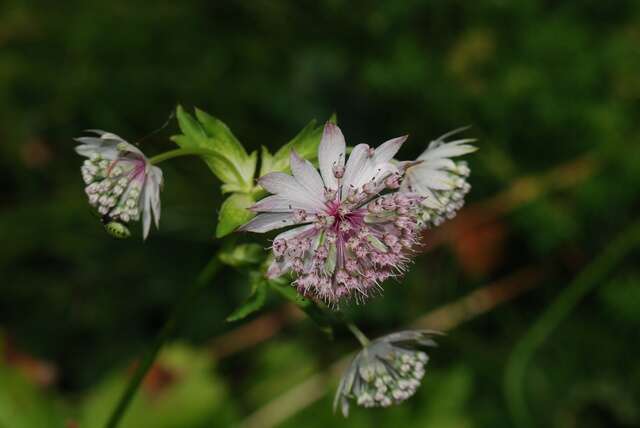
(346, 221)
(360, 238)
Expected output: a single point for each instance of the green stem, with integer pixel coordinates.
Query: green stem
(180, 152)
(181, 309)
(523, 352)
(364, 340)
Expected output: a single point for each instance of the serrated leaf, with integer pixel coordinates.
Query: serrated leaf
(243, 255)
(228, 160)
(219, 165)
(214, 127)
(255, 300)
(228, 144)
(190, 127)
(234, 212)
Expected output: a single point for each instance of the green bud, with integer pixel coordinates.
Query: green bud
(117, 230)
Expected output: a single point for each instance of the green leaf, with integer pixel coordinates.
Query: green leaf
(193, 396)
(255, 301)
(190, 127)
(228, 160)
(228, 144)
(243, 255)
(234, 212)
(219, 165)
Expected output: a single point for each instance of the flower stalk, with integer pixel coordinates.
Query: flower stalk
(180, 310)
(178, 153)
(362, 338)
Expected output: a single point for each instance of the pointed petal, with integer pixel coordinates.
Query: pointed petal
(431, 200)
(454, 132)
(275, 203)
(433, 179)
(275, 270)
(287, 234)
(387, 150)
(89, 141)
(448, 150)
(278, 268)
(356, 165)
(331, 153)
(444, 163)
(379, 166)
(288, 188)
(95, 146)
(146, 213)
(307, 175)
(156, 182)
(106, 145)
(268, 221)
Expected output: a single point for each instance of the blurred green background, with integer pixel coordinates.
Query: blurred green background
(552, 90)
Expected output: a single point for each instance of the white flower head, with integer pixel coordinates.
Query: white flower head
(442, 181)
(387, 371)
(121, 184)
(355, 229)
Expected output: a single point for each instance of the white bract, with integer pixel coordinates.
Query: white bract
(354, 228)
(387, 371)
(121, 184)
(441, 181)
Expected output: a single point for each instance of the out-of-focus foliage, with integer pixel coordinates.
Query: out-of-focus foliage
(552, 90)
(180, 390)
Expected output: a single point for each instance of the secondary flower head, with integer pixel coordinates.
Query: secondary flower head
(121, 184)
(441, 181)
(355, 228)
(387, 371)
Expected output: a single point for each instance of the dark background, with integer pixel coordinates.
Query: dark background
(552, 90)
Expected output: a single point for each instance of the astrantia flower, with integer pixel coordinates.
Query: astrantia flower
(387, 371)
(441, 181)
(356, 229)
(120, 182)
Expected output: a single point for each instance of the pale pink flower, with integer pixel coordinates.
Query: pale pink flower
(121, 184)
(354, 229)
(441, 180)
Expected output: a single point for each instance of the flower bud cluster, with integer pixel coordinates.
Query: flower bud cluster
(121, 183)
(114, 187)
(387, 371)
(393, 382)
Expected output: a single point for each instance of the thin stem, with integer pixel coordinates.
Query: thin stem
(559, 309)
(364, 340)
(181, 309)
(179, 152)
